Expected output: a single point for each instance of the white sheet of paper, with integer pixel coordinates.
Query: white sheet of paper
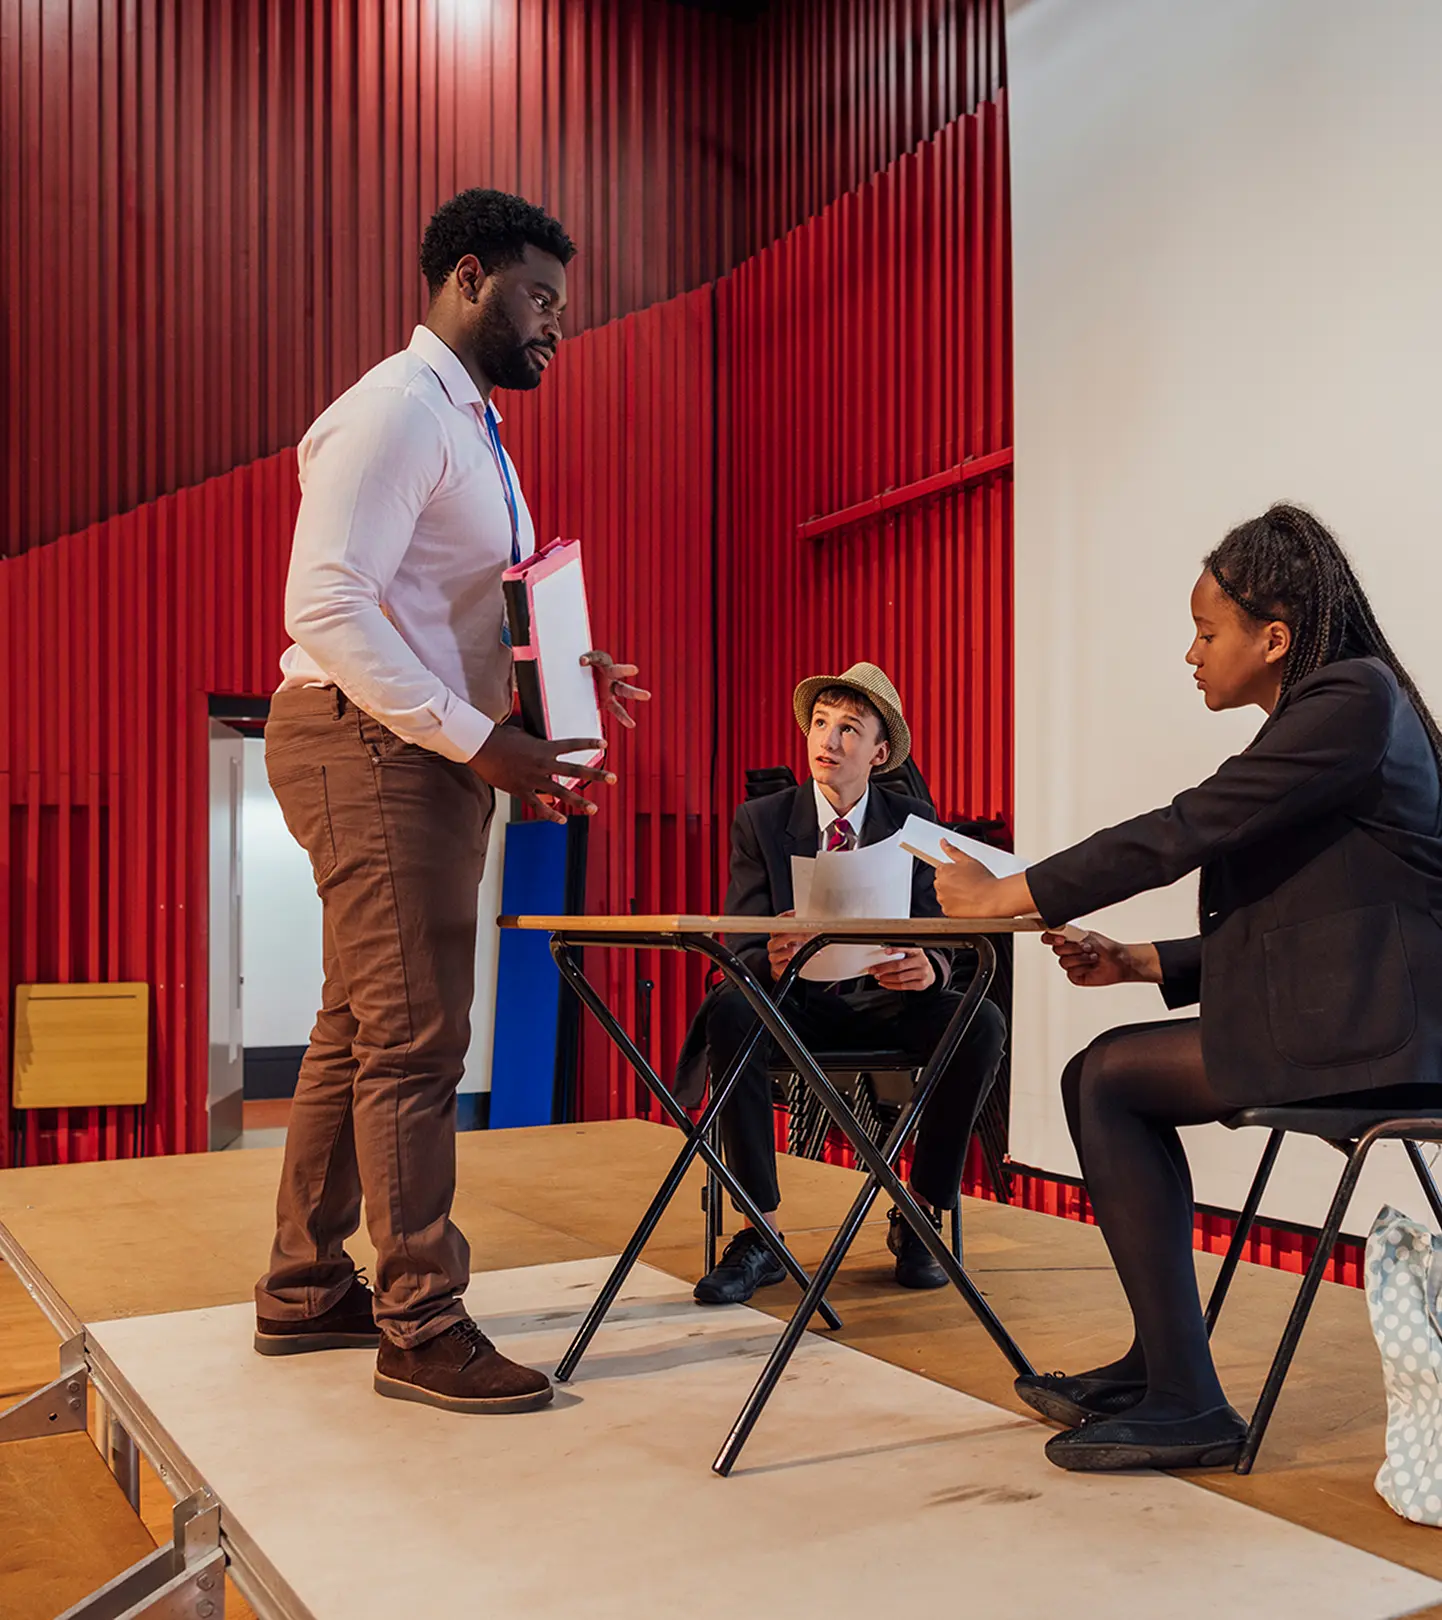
(870, 882)
(561, 634)
(923, 839)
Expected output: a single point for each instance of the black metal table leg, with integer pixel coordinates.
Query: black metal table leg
(712, 1208)
(879, 1163)
(697, 1142)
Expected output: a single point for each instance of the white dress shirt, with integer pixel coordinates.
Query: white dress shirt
(826, 813)
(394, 590)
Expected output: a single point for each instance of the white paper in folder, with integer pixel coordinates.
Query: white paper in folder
(870, 882)
(561, 632)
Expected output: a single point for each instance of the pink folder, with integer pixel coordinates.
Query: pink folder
(550, 625)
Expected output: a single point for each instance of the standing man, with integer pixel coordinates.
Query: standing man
(385, 747)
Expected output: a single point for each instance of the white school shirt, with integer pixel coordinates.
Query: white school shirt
(394, 589)
(826, 813)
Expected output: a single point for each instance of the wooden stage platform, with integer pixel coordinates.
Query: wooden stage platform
(147, 1237)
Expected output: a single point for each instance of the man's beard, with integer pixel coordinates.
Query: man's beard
(502, 352)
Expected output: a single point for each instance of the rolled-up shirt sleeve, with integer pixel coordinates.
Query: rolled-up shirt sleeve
(367, 470)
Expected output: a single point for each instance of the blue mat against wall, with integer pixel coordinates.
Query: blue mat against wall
(528, 987)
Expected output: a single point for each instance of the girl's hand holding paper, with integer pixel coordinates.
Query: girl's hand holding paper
(964, 887)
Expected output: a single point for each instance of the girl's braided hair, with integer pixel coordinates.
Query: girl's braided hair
(1286, 565)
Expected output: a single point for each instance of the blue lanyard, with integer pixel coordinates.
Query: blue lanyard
(510, 493)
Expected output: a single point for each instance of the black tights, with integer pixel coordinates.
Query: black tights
(1125, 1096)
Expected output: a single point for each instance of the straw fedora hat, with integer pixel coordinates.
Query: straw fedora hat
(873, 685)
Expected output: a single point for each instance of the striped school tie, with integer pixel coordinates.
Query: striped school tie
(839, 835)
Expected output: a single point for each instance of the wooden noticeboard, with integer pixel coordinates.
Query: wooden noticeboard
(81, 1045)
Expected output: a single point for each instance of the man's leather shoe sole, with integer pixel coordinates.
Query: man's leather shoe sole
(1108, 1445)
(397, 1389)
(298, 1344)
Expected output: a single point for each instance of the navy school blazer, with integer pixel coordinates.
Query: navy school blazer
(1318, 961)
(765, 834)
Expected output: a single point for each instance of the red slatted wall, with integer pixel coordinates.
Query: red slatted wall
(869, 353)
(210, 209)
(840, 374)
(841, 88)
(617, 449)
(109, 642)
(867, 350)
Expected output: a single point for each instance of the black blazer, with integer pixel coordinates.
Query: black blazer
(1318, 966)
(765, 834)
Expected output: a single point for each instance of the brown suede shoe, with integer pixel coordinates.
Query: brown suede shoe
(461, 1371)
(348, 1325)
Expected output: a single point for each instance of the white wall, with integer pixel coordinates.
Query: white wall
(280, 919)
(281, 929)
(1228, 279)
(488, 949)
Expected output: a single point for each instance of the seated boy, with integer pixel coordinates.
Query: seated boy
(854, 726)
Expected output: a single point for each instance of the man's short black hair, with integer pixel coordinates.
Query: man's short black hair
(493, 225)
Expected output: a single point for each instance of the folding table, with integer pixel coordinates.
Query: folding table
(703, 936)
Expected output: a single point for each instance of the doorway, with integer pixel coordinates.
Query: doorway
(265, 944)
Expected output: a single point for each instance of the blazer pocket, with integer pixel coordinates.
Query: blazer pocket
(1339, 989)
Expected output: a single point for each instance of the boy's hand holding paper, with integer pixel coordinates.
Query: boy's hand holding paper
(871, 882)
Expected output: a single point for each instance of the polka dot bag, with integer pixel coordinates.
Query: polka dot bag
(1404, 1276)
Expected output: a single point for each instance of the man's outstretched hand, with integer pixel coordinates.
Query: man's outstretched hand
(612, 685)
(526, 767)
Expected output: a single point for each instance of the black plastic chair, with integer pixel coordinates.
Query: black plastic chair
(1353, 1132)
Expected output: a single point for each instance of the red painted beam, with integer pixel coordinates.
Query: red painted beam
(971, 471)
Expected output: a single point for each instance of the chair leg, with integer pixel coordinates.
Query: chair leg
(995, 1167)
(795, 1115)
(956, 1230)
(1245, 1222)
(713, 1204)
(1424, 1175)
(818, 1127)
(1301, 1307)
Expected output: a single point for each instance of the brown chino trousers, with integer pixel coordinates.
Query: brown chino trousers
(396, 836)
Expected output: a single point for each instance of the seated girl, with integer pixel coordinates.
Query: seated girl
(1316, 971)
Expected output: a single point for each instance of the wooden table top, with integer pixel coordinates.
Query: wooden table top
(882, 928)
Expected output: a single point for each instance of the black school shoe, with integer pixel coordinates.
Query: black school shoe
(1105, 1445)
(746, 1265)
(915, 1265)
(1071, 1401)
